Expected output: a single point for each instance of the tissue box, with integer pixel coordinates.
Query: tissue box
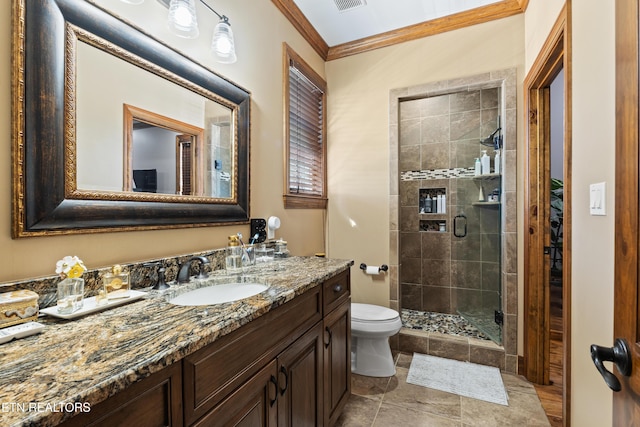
(18, 307)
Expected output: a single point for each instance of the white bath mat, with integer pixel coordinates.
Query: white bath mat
(462, 378)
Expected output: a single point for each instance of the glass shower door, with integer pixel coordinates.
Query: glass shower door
(476, 253)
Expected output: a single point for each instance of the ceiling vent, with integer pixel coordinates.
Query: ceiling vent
(345, 5)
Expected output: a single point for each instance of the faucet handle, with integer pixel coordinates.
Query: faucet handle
(161, 284)
(203, 274)
(161, 280)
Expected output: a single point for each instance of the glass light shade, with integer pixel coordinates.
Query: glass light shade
(182, 18)
(132, 1)
(222, 45)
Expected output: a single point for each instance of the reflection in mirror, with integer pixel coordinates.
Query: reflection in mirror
(199, 164)
(161, 155)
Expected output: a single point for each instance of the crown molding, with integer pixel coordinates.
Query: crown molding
(502, 9)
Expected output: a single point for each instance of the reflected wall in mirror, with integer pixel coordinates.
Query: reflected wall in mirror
(76, 68)
(162, 155)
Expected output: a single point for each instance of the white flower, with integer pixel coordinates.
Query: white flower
(70, 266)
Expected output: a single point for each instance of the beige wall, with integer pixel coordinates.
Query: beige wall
(260, 31)
(358, 130)
(538, 20)
(593, 236)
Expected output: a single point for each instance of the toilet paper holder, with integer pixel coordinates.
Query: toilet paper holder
(383, 267)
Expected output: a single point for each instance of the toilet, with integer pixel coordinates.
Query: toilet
(371, 327)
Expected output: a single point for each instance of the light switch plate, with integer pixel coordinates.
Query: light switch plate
(597, 199)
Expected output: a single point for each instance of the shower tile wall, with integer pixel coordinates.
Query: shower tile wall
(505, 356)
(438, 137)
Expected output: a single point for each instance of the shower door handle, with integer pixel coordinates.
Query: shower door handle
(456, 220)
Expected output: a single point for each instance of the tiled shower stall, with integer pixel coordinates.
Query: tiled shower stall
(460, 259)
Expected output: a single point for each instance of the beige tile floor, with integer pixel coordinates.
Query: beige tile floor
(390, 402)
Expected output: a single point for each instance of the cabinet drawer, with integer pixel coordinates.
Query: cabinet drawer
(335, 291)
(213, 372)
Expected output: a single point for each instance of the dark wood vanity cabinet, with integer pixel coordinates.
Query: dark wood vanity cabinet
(308, 339)
(288, 367)
(286, 392)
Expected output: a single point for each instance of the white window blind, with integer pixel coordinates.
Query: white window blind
(306, 151)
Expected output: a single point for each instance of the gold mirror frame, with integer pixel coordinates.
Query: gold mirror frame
(45, 198)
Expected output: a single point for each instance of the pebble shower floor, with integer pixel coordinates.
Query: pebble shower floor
(450, 324)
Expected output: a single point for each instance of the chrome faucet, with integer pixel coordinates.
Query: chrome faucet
(183, 273)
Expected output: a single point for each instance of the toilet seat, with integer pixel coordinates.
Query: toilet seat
(372, 320)
(372, 313)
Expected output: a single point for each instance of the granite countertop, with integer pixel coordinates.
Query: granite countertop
(91, 358)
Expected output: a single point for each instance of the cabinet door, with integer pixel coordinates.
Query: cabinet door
(254, 404)
(155, 401)
(337, 361)
(300, 381)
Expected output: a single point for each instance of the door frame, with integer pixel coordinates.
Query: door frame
(627, 238)
(554, 56)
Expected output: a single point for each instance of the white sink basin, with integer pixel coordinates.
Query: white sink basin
(218, 294)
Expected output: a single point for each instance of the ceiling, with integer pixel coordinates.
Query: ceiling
(339, 28)
(343, 21)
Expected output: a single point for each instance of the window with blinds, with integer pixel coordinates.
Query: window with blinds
(305, 115)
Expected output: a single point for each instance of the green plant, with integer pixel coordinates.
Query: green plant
(557, 207)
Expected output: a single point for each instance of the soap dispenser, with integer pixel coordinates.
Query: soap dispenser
(233, 260)
(116, 283)
(486, 163)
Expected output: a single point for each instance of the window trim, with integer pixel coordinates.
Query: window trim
(291, 200)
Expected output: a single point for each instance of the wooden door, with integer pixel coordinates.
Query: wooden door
(300, 381)
(626, 402)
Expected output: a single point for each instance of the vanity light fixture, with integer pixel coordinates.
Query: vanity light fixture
(222, 45)
(182, 18)
(183, 22)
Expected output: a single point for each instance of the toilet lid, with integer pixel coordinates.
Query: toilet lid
(372, 312)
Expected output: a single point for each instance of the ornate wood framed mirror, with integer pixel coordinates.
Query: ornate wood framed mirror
(70, 168)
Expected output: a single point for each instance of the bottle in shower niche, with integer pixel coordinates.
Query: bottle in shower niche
(233, 260)
(426, 207)
(497, 162)
(486, 163)
(478, 167)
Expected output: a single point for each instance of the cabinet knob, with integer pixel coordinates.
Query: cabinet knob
(337, 288)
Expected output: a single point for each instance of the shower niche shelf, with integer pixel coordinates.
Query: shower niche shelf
(428, 201)
(486, 204)
(433, 225)
(486, 177)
